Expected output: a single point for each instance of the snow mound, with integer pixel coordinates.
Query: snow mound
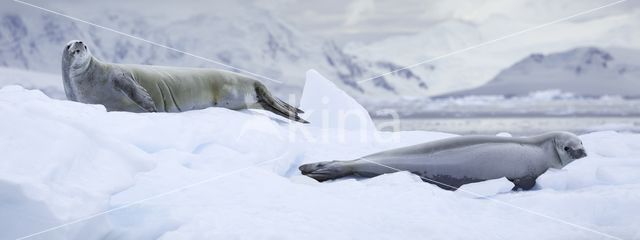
(222, 174)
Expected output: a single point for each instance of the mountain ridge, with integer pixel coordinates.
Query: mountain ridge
(583, 71)
(245, 37)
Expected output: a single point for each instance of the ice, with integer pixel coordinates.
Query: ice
(221, 174)
(504, 134)
(534, 105)
(327, 106)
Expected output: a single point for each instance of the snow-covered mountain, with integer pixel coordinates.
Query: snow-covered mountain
(586, 71)
(493, 37)
(243, 36)
(246, 35)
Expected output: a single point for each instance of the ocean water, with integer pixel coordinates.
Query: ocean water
(517, 126)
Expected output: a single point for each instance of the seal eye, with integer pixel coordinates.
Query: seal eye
(85, 47)
(566, 149)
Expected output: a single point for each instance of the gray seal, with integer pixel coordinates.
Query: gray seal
(144, 88)
(452, 162)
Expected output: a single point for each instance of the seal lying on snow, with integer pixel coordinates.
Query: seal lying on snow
(452, 162)
(143, 88)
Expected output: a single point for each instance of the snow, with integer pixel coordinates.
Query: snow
(486, 188)
(222, 174)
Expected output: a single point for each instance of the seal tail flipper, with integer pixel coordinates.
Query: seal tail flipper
(288, 106)
(275, 105)
(323, 171)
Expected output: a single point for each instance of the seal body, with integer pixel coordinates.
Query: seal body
(144, 88)
(452, 162)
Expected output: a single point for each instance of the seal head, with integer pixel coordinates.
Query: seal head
(569, 148)
(76, 55)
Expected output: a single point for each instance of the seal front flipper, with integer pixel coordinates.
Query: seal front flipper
(66, 67)
(135, 92)
(524, 183)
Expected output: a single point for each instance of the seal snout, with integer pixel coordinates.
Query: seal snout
(75, 47)
(580, 153)
(577, 153)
